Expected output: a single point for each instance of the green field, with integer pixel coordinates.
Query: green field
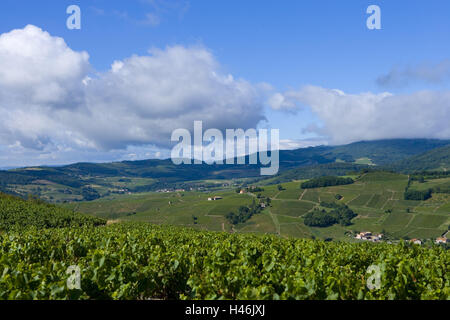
(376, 197)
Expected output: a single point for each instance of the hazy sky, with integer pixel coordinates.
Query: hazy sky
(138, 69)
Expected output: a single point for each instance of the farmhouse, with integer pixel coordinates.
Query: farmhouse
(441, 240)
(215, 198)
(362, 235)
(416, 241)
(367, 235)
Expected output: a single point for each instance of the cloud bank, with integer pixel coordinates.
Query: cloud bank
(367, 116)
(52, 100)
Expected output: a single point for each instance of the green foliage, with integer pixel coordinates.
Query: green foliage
(421, 195)
(385, 152)
(16, 213)
(442, 189)
(326, 181)
(340, 213)
(141, 261)
(425, 175)
(254, 189)
(436, 159)
(244, 213)
(89, 193)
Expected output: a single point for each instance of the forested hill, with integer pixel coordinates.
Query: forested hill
(436, 159)
(385, 152)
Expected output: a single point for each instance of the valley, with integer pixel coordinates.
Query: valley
(376, 198)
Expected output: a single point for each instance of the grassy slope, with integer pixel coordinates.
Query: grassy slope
(436, 159)
(371, 196)
(19, 213)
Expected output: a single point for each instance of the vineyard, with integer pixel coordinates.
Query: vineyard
(16, 213)
(143, 261)
(377, 198)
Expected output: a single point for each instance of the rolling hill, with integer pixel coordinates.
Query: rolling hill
(437, 159)
(385, 152)
(16, 213)
(84, 181)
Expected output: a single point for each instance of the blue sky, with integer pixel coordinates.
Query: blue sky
(288, 45)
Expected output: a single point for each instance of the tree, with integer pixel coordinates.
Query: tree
(89, 193)
(420, 195)
(340, 214)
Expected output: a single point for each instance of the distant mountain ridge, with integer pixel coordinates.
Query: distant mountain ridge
(397, 154)
(435, 159)
(384, 152)
(380, 152)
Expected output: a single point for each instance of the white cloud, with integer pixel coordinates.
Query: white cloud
(280, 102)
(368, 116)
(142, 99)
(39, 77)
(49, 103)
(38, 69)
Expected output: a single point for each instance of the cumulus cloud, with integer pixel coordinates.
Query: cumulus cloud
(36, 68)
(368, 116)
(39, 76)
(428, 73)
(48, 101)
(150, 96)
(282, 102)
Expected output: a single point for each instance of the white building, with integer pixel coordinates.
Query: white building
(440, 240)
(368, 236)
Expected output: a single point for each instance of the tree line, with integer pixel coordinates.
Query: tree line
(326, 181)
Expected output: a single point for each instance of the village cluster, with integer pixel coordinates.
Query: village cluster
(368, 236)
